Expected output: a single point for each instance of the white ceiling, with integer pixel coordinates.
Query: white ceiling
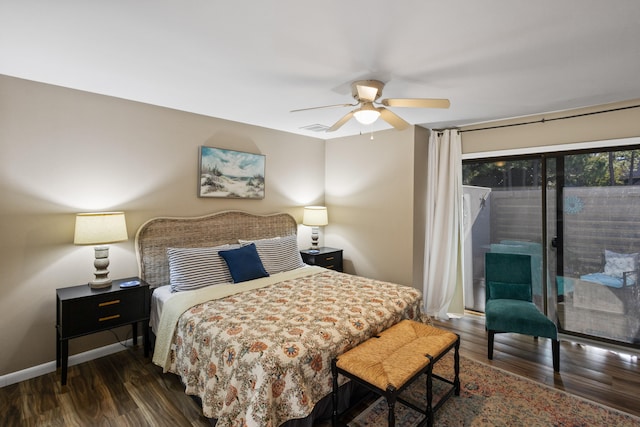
(254, 61)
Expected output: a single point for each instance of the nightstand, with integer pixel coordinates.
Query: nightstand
(325, 257)
(81, 310)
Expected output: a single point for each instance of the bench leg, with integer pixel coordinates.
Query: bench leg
(456, 367)
(429, 398)
(429, 412)
(334, 393)
(391, 402)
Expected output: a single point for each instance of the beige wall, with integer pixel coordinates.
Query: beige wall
(369, 191)
(421, 148)
(64, 151)
(596, 127)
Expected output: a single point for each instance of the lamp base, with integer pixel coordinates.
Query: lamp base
(100, 283)
(314, 241)
(101, 263)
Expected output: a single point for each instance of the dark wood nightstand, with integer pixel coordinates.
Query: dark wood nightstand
(325, 257)
(81, 310)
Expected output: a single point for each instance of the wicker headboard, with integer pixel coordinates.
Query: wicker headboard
(156, 235)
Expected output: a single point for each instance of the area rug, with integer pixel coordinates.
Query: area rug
(493, 397)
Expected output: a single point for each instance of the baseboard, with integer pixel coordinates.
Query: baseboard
(46, 368)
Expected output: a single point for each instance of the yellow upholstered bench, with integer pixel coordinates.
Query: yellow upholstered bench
(389, 363)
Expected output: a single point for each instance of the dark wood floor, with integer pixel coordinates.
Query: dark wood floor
(124, 389)
(606, 377)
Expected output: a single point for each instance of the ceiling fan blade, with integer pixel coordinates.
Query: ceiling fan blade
(367, 93)
(393, 119)
(324, 106)
(416, 102)
(340, 122)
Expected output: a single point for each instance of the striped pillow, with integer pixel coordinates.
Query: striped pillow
(278, 254)
(193, 268)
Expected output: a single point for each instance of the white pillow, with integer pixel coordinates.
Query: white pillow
(278, 254)
(616, 264)
(193, 268)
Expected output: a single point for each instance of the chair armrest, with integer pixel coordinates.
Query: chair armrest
(629, 278)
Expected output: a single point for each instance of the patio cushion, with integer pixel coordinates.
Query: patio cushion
(617, 264)
(605, 279)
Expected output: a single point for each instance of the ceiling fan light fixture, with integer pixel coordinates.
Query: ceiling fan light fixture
(366, 93)
(367, 114)
(366, 117)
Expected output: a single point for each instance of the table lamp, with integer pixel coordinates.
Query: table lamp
(315, 216)
(100, 229)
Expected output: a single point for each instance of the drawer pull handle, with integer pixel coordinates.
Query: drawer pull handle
(104, 319)
(104, 304)
(330, 267)
(329, 258)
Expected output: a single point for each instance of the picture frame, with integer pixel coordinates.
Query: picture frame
(230, 174)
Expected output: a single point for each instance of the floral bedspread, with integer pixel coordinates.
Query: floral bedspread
(262, 357)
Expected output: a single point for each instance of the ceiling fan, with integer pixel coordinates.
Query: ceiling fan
(366, 93)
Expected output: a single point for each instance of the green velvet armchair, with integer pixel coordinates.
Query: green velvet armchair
(509, 307)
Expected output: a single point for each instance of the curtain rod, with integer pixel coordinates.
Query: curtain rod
(543, 120)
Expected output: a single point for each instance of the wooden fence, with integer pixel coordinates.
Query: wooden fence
(595, 219)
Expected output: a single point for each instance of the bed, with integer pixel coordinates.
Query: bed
(256, 352)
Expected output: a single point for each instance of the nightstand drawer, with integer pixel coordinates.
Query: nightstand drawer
(90, 314)
(325, 257)
(326, 260)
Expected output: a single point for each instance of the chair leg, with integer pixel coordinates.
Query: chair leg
(555, 349)
(490, 344)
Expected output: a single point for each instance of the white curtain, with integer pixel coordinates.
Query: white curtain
(444, 226)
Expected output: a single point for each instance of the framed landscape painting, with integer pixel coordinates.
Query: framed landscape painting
(231, 174)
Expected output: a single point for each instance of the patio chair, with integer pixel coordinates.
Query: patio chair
(619, 270)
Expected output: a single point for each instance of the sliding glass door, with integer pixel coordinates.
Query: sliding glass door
(578, 215)
(595, 259)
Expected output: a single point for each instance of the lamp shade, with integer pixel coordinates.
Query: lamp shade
(100, 228)
(315, 216)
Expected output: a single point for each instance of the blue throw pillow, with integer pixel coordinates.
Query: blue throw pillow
(244, 263)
